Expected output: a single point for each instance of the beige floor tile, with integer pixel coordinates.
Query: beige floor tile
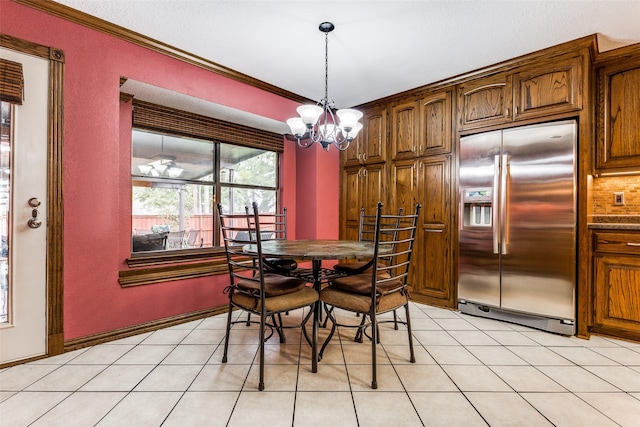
(207, 336)
(475, 378)
(626, 379)
(452, 355)
(584, 356)
(400, 354)
(506, 409)
(282, 354)
(456, 324)
(67, 378)
(237, 354)
(202, 409)
(169, 378)
(443, 313)
(360, 377)
(527, 378)
(215, 322)
(194, 354)
(425, 324)
(551, 340)
(622, 355)
(102, 354)
(322, 409)
(80, 409)
(427, 338)
(118, 378)
(576, 379)
(273, 409)
(446, 409)
(60, 359)
(167, 336)
(385, 409)
(276, 378)
(190, 325)
(424, 378)
(145, 355)
(18, 377)
(539, 356)
(496, 355)
(510, 338)
(223, 377)
(4, 395)
(361, 354)
(22, 409)
(141, 409)
(620, 407)
(134, 339)
(565, 409)
(472, 338)
(328, 378)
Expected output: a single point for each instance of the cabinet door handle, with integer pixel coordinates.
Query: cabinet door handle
(364, 157)
(633, 244)
(506, 112)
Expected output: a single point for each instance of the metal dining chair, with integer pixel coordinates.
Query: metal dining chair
(384, 289)
(256, 289)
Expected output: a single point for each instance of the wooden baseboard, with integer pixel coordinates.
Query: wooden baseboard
(129, 331)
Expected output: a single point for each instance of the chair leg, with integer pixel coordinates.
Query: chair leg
(279, 327)
(395, 320)
(374, 345)
(226, 337)
(412, 357)
(248, 319)
(333, 330)
(261, 350)
(360, 332)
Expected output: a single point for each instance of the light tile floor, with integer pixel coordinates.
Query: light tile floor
(469, 372)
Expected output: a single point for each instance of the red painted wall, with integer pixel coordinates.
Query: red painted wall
(97, 188)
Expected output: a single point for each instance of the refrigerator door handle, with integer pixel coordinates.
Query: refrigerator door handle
(495, 223)
(504, 220)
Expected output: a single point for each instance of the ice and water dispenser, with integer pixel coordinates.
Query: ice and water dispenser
(476, 207)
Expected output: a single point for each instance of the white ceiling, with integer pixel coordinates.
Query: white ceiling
(378, 47)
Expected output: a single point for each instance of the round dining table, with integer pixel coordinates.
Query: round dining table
(315, 251)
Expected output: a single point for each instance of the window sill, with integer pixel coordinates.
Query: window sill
(163, 267)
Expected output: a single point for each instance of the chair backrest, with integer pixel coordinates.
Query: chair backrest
(175, 239)
(273, 226)
(192, 237)
(239, 230)
(393, 245)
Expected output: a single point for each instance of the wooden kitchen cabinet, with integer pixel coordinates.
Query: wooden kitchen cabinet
(436, 123)
(362, 186)
(544, 88)
(485, 101)
(427, 180)
(405, 129)
(618, 113)
(370, 145)
(616, 289)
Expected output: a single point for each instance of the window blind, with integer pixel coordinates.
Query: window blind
(156, 117)
(11, 82)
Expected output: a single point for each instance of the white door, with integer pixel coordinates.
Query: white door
(23, 176)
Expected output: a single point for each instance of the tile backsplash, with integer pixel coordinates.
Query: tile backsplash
(603, 190)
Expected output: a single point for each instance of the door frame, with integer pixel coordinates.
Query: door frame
(55, 205)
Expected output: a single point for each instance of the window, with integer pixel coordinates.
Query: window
(175, 180)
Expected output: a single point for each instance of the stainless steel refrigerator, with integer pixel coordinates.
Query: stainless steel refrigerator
(517, 236)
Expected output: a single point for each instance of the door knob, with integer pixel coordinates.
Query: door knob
(34, 222)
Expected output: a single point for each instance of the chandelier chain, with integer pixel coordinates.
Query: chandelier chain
(326, 67)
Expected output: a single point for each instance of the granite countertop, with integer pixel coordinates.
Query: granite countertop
(615, 222)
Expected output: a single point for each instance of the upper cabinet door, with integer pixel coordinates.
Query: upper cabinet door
(485, 101)
(436, 124)
(405, 129)
(370, 146)
(549, 88)
(618, 115)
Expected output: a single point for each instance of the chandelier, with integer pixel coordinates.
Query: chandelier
(318, 123)
(166, 167)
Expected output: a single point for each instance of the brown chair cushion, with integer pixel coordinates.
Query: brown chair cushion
(361, 303)
(361, 284)
(274, 285)
(277, 304)
(352, 267)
